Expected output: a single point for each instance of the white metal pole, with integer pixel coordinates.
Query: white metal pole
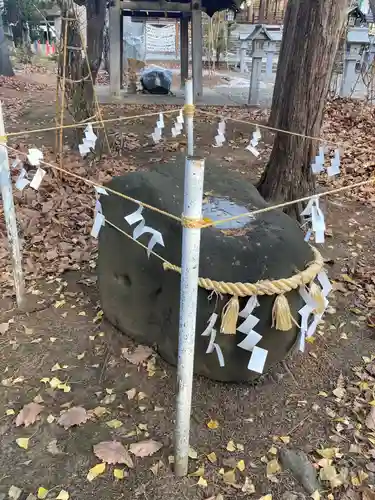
(193, 196)
(10, 215)
(189, 100)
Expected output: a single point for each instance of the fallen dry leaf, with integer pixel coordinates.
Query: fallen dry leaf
(231, 446)
(63, 495)
(140, 354)
(119, 473)
(14, 492)
(145, 448)
(370, 419)
(229, 477)
(212, 457)
(273, 467)
(212, 424)
(198, 473)
(28, 415)
(113, 452)
(155, 469)
(248, 486)
(23, 443)
(42, 493)
(76, 415)
(114, 424)
(53, 448)
(95, 471)
(131, 393)
(202, 482)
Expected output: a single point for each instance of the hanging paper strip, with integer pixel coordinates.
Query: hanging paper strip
(311, 307)
(318, 165)
(334, 168)
(316, 217)
(220, 137)
(22, 180)
(88, 142)
(252, 146)
(258, 355)
(178, 124)
(212, 345)
(156, 238)
(156, 135)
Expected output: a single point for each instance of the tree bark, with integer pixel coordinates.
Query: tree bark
(79, 86)
(310, 40)
(5, 64)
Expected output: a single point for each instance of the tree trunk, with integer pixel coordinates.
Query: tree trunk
(310, 39)
(80, 81)
(5, 64)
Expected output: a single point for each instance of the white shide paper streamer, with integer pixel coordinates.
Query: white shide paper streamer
(88, 142)
(315, 215)
(156, 135)
(308, 329)
(249, 343)
(156, 238)
(212, 345)
(252, 146)
(178, 124)
(220, 137)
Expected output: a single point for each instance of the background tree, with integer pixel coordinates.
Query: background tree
(5, 64)
(311, 36)
(81, 71)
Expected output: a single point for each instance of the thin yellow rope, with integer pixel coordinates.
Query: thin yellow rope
(288, 203)
(84, 123)
(274, 129)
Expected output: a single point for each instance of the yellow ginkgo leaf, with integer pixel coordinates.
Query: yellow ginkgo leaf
(63, 495)
(231, 446)
(315, 495)
(10, 412)
(95, 471)
(42, 493)
(266, 497)
(119, 473)
(64, 387)
(23, 442)
(285, 439)
(192, 453)
(45, 380)
(213, 424)
(229, 477)
(54, 382)
(198, 473)
(202, 482)
(56, 367)
(82, 313)
(372, 403)
(50, 419)
(240, 465)
(114, 424)
(212, 457)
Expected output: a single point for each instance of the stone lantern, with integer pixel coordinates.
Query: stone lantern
(258, 38)
(357, 38)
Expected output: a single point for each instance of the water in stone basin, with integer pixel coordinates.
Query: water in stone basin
(216, 208)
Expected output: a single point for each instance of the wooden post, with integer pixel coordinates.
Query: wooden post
(10, 215)
(197, 47)
(184, 49)
(114, 47)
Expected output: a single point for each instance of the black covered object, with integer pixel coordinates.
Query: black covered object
(142, 300)
(156, 80)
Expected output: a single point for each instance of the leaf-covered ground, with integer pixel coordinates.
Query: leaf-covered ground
(85, 414)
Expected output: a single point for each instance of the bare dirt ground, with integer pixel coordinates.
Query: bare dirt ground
(321, 400)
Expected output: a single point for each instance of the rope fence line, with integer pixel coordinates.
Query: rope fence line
(204, 223)
(84, 124)
(273, 129)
